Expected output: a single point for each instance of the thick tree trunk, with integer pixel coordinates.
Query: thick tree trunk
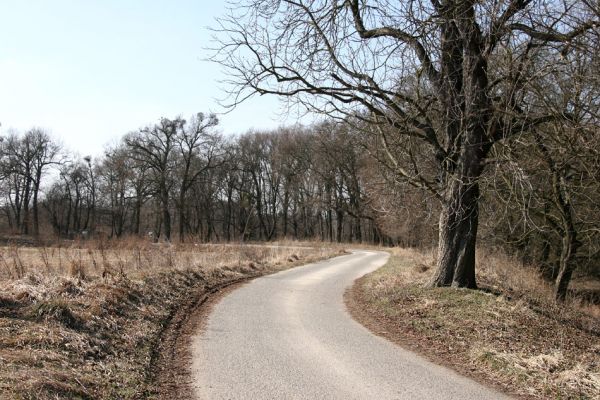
(457, 238)
(459, 217)
(464, 95)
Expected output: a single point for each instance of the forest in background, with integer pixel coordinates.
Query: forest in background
(182, 180)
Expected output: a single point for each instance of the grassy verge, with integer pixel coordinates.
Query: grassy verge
(83, 322)
(510, 334)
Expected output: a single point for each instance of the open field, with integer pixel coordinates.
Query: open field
(510, 334)
(82, 320)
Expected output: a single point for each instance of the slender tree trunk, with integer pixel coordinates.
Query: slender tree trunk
(87, 217)
(137, 214)
(182, 216)
(166, 215)
(286, 206)
(92, 213)
(16, 206)
(209, 225)
(26, 197)
(36, 216)
(568, 231)
(321, 228)
(358, 231)
(229, 215)
(330, 224)
(76, 212)
(8, 217)
(340, 225)
(259, 212)
(570, 245)
(69, 212)
(295, 220)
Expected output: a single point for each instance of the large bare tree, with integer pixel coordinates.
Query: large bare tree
(46, 153)
(155, 147)
(439, 81)
(199, 151)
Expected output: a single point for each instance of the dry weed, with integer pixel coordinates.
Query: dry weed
(512, 332)
(81, 320)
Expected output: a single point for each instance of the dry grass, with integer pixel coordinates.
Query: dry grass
(81, 321)
(510, 333)
(133, 257)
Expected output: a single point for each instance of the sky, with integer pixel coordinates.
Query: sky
(89, 71)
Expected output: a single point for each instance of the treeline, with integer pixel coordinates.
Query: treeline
(182, 180)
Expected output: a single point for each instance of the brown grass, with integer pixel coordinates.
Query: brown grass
(511, 333)
(80, 321)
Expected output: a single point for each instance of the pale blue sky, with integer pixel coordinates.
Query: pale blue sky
(91, 71)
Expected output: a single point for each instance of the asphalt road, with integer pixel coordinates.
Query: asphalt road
(289, 336)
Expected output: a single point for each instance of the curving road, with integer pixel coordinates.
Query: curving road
(288, 336)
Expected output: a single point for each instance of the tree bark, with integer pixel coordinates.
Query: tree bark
(26, 196)
(339, 225)
(137, 214)
(457, 238)
(567, 264)
(182, 216)
(36, 216)
(165, 212)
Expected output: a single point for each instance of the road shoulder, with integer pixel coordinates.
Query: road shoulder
(499, 341)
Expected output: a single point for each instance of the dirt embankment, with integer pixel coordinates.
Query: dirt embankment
(170, 369)
(508, 334)
(88, 336)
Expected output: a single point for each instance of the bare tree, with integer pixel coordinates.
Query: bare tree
(69, 201)
(46, 153)
(199, 150)
(550, 175)
(115, 174)
(154, 146)
(420, 73)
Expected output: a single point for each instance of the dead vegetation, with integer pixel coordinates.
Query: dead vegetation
(81, 321)
(509, 333)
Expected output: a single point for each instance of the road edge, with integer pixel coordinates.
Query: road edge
(386, 329)
(170, 372)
